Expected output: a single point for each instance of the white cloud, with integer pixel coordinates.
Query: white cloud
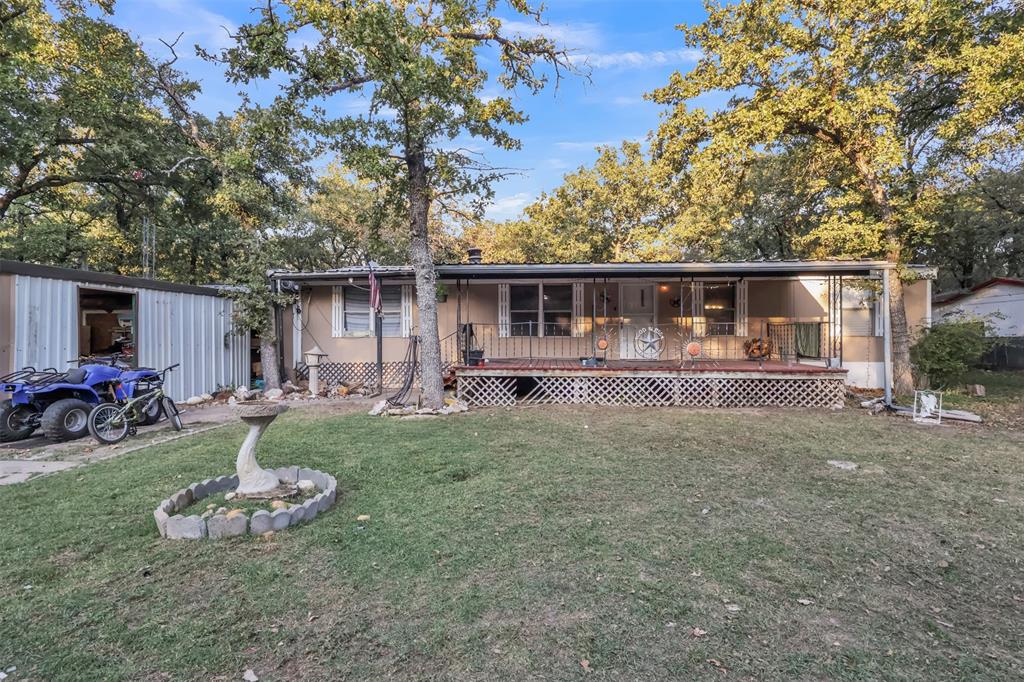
(575, 36)
(511, 206)
(590, 146)
(627, 101)
(637, 60)
(209, 29)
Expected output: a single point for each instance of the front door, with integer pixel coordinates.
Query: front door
(636, 302)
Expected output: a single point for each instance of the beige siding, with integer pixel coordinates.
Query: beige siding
(768, 301)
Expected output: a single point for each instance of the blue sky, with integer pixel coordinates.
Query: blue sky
(632, 47)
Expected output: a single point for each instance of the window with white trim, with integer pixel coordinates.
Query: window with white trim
(860, 311)
(720, 307)
(538, 310)
(351, 314)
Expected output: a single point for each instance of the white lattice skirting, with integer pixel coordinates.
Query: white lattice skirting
(704, 390)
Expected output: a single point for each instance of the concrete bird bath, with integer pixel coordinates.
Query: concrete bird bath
(252, 478)
(253, 482)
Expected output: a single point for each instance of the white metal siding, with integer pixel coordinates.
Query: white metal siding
(195, 331)
(45, 328)
(171, 327)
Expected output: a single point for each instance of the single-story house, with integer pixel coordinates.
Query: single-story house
(757, 332)
(51, 316)
(1000, 300)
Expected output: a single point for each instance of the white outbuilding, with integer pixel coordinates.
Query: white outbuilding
(49, 317)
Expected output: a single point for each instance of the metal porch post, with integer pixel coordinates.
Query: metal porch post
(886, 337)
(379, 320)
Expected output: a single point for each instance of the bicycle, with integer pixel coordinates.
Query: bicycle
(111, 423)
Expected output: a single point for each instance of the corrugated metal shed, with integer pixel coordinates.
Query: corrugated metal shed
(174, 324)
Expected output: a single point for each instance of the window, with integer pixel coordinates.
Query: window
(557, 310)
(352, 315)
(720, 307)
(540, 309)
(524, 309)
(858, 311)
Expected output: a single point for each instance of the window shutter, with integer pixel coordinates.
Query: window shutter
(337, 311)
(503, 311)
(741, 307)
(577, 309)
(876, 310)
(699, 326)
(406, 310)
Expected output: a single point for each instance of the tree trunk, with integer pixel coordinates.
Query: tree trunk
(426, 281)
(902, 373)
(268, 354)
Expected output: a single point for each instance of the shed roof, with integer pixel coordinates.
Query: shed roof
(951, 297)
(91, 277)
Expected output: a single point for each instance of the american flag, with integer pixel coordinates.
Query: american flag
(375, 302)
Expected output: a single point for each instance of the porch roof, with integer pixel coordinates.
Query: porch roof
(779, 268)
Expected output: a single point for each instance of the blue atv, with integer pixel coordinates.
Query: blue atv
(59, 403)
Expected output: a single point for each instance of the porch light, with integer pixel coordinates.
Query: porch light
(663, 287)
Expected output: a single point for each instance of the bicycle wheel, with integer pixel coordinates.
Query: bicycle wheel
(171, 410)
(108, 423)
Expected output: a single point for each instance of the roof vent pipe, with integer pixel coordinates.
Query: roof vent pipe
(475, 255)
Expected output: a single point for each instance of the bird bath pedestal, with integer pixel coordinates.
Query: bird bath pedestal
(252, 478)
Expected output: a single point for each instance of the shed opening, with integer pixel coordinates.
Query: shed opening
(106, 323)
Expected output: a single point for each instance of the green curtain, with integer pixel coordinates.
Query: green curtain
(808, 339)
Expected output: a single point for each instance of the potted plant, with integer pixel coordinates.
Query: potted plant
(442, 292)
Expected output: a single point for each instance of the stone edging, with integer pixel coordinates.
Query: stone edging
(174, 526)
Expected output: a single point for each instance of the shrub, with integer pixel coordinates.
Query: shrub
(948, 350)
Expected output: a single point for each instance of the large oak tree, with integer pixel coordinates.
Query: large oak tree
(421, 66)
(892, 94)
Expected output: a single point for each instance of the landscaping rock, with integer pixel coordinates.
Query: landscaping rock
(278, 504)
(280, 519)
(194, 400)
(186, 527)
(242, 394)
(221, 526)
(273, 394)
(260, 523)
(206, 397)
(230, 496)
(311, 509)
(378, 408)
(287, 474)
(976, 390)
(182, 499)
(289, 387)
(305, 485)
(161, 521)
(843, 464)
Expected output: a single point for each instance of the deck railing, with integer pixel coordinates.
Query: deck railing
(617, 341)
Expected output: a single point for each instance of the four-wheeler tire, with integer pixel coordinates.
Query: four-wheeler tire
(107, 423)
(151, 415)
(171, 410)
(15, 421)
(66, 419)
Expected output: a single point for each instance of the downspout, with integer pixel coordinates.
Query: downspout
(886, 338)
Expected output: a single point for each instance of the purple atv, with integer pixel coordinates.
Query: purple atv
(59, 403)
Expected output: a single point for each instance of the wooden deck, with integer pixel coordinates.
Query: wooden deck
(725, 383)
(536, 366)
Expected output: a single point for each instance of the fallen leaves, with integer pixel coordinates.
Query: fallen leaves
(363, 517)
(805, 601)
(697, 632)
(718, 665)
(585, 664)
(250, 676)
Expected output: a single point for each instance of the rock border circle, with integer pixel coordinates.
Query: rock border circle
(174, 526)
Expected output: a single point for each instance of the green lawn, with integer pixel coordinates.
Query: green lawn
(522, 543)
